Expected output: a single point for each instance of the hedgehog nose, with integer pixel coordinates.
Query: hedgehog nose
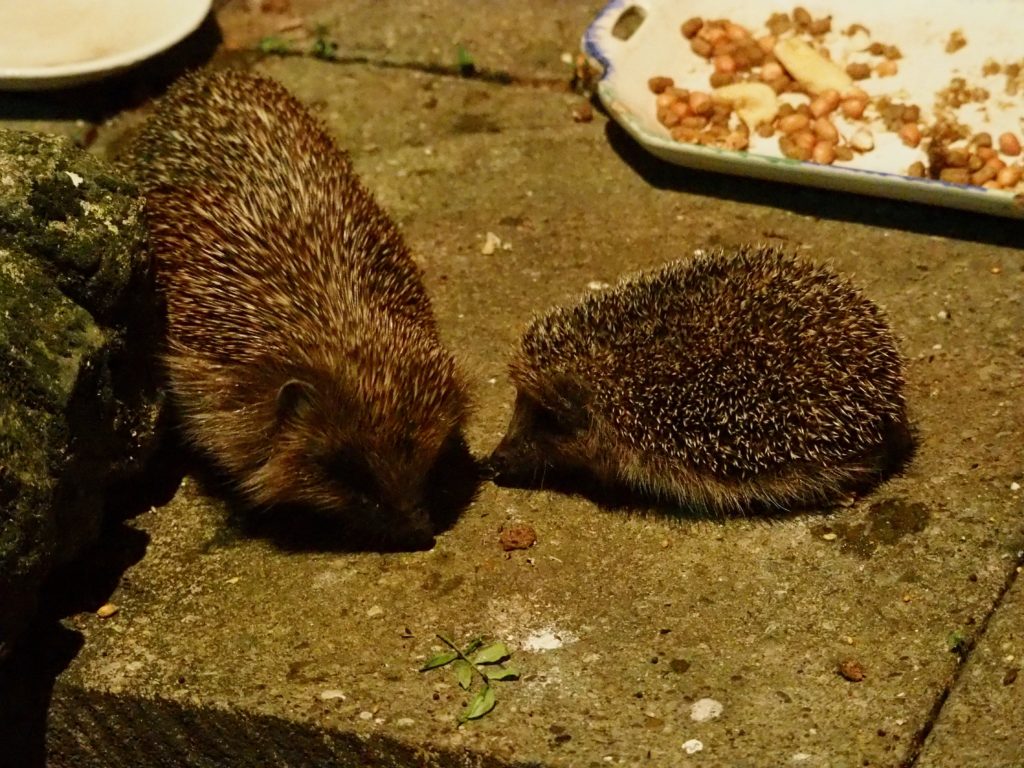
(417, 528)
(509, 463)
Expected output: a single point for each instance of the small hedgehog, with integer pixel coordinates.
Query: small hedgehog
(731, 383)
(302, 350)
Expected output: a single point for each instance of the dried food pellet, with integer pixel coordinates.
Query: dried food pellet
(956, 41)
(820, 26)
(778, 23)
(887, 68)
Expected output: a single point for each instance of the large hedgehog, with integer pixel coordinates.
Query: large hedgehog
(302, 350)
(730, 382)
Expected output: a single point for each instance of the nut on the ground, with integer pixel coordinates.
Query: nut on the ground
(517, 536)
(852, 670)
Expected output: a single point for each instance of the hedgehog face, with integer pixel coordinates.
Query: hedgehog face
(334, 454)
(548, 437)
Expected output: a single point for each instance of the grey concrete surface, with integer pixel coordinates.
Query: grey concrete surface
(525, 40)
(620, 622)
(982, 722)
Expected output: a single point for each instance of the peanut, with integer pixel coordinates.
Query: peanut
(725, 64)
(986, 173)
(824, 152)
(887, 68)
(853, 108)
(659, 84)
(858, 71)
(1010, 175)
(825, 130)
(1009, 144)
(910, 134)
(701, 103)
(825, 102)
(793, 123)
(916, 169)
(955, 175)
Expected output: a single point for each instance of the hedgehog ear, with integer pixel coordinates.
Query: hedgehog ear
(294, 399)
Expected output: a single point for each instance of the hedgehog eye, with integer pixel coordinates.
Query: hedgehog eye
(352, 471)
(552, 422)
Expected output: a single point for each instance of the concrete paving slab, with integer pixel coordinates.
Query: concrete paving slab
(623, 625)
(982, 721)
(526, 41)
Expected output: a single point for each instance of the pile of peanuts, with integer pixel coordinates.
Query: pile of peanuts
(737, 55)
(696, 118)
(977, 163)
(806, 131)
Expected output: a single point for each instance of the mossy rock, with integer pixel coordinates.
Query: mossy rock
(80, 401)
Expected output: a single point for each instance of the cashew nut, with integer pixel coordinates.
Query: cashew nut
(755, 103)
(810, 68)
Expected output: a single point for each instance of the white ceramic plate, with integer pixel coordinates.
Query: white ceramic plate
(57, 43)
(920, 28)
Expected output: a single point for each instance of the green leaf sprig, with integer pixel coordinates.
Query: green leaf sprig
(480, 660)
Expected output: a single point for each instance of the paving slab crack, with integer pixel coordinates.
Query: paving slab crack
(463, 72)
(918, 742)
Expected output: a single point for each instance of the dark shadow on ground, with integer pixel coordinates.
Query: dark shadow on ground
(809, 201)
(97, 101)
(620, 498)
(102, 730)
(71, 594)
(452, 486)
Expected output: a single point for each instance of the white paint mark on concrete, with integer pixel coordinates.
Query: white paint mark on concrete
(705, 709)
(548, 639)
(693, 746)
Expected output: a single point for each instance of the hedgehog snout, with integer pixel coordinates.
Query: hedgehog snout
(515, 461)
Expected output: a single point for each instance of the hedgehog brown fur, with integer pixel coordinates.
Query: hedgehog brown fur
(302, 349)
(730, 382)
